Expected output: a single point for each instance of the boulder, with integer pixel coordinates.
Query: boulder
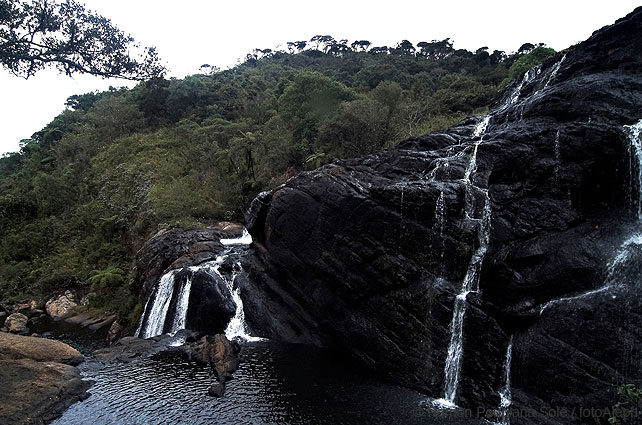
(17, 323)
(62, 306)
(38, 349)
(533, 202)
(38, 379)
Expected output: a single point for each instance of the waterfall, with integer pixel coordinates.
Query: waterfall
(558, 157)
(440, 222)
(471, 280)
(166, 308)
(244, 239)
(180, 315)
(505, 395)
(633, 134)
(555, 70)
(237, 328)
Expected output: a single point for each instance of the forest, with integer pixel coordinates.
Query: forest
(84, 193)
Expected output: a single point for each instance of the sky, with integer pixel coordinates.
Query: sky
(190, 33)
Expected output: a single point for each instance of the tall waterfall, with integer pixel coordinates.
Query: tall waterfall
(633, 133)
(471, 280)
(166, 309)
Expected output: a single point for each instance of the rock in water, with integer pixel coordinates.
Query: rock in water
(17, 323)
(218, 352)
(217, 389)
(367, 255)
(62, 306)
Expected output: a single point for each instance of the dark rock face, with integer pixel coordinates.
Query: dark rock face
(367, 255)
(210, 301)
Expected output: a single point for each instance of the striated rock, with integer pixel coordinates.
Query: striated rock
(368, 255)
(17, 323)
(62, 306)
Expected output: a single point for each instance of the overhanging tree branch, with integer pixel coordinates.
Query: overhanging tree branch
(35, 34)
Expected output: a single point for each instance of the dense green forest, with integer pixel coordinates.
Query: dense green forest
(114, 167)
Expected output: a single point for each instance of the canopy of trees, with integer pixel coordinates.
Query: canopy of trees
(35, 34)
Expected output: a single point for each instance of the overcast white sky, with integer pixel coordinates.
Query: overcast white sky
(190, 33)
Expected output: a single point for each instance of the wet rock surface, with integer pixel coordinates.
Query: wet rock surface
(367, 255)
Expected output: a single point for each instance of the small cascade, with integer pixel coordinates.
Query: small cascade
(166, 309)
(471, 280)
(555, 70)
(153, 323)
(558, 158)
(237, 328)
(440, 216)
(528, 76)
(471, 169)
(505, 395)
(244, 239)
(180, 315)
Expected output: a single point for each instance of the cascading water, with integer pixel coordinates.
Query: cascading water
(471, 280)
(153, 323)
(555, 70)
(558, 157)
(440, 215)
(168, 292)
(633, 134)
(505, 398)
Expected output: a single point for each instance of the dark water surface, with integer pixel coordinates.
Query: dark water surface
(275, 384)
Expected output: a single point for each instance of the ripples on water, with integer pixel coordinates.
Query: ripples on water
(275, 384)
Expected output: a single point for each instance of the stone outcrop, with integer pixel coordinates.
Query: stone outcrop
(62, 306)
(220, 354)
(368, 255)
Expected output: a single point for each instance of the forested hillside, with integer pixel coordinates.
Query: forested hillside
(114, 167)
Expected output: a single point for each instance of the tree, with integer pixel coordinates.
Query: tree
(436, 49)
(35, 34)
(360, 45)
(405, 48)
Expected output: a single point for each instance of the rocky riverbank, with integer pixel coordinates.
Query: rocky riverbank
(39, 379)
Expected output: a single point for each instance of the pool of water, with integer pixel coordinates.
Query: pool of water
(275, 384)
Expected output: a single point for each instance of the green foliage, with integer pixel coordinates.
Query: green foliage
(630, 408)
